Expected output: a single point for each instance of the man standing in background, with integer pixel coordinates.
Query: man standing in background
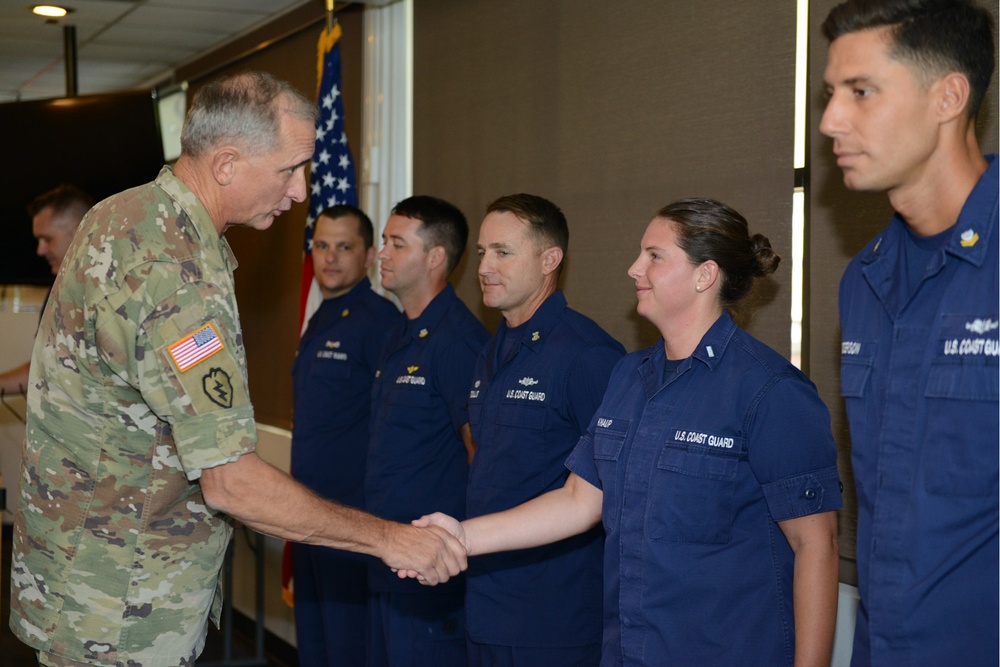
(333, 373)
(418, 460)
(919, 316)
(536, 386)
(55, 215)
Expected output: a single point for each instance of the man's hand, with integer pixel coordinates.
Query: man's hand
(435, 521)
(453, 526)
(430, 554)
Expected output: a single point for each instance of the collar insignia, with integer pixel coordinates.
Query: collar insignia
(347, 311)
(423, 333)
(968, 238)
(535, 336)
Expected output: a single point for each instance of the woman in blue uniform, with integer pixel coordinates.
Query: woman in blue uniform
(712, 466)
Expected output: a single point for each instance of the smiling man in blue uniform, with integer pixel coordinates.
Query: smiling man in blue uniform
(534, 391)
(333, 375)
(919, 316)
(420, 445)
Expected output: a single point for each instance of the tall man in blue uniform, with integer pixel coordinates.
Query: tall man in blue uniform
(333, 375)
(535, 389)
(919, 314)
(418, 459)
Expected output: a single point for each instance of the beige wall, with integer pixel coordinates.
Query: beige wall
(611, 110)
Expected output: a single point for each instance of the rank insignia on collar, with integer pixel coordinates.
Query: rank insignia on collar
(412, 369)
(968, 238)
(535, 337)
(423, 333)
(347, 311)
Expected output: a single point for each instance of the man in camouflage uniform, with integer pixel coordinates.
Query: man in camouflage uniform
(140, 439)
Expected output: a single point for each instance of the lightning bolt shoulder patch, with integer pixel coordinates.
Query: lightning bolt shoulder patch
(218, 387)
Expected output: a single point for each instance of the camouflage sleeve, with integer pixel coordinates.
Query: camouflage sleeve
(189, 365)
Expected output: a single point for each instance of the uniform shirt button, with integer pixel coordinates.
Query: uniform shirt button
(809, 494)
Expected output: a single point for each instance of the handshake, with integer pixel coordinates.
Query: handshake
(432, 550)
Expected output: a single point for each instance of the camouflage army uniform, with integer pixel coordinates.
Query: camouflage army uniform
(116, 556)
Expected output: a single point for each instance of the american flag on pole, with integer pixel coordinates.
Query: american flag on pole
(332, 179)
(192, 350)
(332, 182)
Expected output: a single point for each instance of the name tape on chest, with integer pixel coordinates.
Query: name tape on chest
(710, 439)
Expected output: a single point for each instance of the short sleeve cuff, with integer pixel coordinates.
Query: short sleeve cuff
(581, 461)
(211, 439)
(808, 493)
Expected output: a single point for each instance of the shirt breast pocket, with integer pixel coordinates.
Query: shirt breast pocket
(963, 387)
(857, 361)
(518, 415)
(691, 495)
(332, 369)
(856, 372)
(609, 441)
(410, 396)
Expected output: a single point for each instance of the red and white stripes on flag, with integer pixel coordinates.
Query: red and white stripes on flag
(197, 347)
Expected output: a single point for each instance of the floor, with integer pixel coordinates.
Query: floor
(15, 654)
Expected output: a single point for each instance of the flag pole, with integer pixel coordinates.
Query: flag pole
(330, 18)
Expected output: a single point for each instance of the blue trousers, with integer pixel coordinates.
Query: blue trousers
(491, 655)
(331, 606)
(417, 629)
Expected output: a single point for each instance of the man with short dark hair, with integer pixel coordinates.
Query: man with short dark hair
(333, 373)
(919, 316)
(534, 392)
(55, 215)
(140, 446)
(420, 438)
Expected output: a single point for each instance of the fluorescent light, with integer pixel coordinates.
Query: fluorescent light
(50, 11)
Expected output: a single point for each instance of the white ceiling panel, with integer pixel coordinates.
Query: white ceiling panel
(121, 44)
(269, 7)
(136, 53)
(188, 40)
(205, 21)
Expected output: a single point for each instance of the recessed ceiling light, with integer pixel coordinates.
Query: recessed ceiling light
(51, 11)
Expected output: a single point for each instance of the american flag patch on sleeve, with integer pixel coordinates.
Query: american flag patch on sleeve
(191, 350)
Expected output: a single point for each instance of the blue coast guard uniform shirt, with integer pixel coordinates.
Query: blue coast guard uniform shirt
(527, 412)
(919, 376)
(697, 469)
(333, 375)
(417, 462)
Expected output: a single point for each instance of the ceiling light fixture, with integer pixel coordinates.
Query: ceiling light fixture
(50, 11)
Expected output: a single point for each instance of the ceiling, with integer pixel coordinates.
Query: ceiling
(120, 44)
